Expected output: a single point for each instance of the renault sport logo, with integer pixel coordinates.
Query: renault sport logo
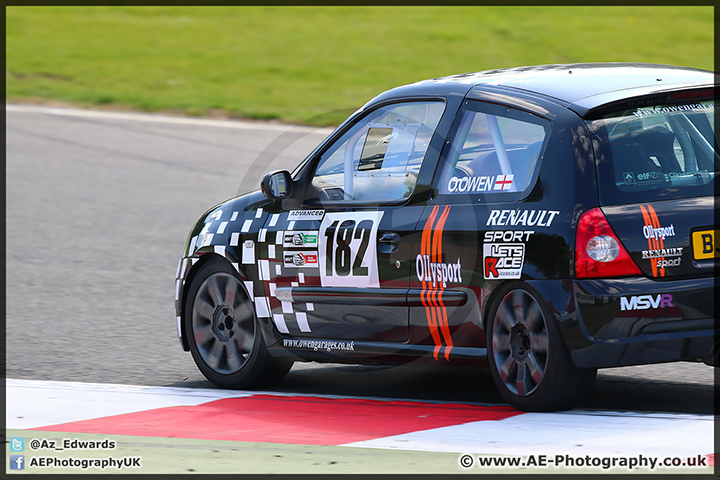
(643, 302)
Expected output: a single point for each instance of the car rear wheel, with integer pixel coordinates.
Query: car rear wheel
(223, 334)
(527, 355)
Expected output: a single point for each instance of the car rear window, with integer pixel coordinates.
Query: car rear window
(656, 152)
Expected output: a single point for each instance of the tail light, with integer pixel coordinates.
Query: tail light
(598, 251)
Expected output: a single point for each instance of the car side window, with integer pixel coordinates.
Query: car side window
(378, 158)
(493, 153)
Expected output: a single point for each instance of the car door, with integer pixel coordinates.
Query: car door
(469, 243)
(342, 257)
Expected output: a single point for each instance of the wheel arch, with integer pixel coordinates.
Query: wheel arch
(557, 296)
(532, 286)
(203, 257)
(496, 292)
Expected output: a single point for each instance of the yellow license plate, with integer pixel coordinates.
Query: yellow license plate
(705, 244)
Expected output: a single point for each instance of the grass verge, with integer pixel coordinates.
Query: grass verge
(297, 64)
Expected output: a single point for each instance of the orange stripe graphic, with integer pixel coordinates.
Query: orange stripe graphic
(648, 223)
(442, 311)
(425, 295)
(431, 251)
(659, 241)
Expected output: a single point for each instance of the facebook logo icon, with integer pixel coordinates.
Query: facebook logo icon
(17, 462)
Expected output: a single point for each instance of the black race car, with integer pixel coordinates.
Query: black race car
(546, 220)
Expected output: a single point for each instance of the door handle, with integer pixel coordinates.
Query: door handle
(389, 243)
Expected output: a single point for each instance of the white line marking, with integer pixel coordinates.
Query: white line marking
(258, 213)
(271, 251)
(572, 433)
(33, 404)
(274, 219)
(234, 216)
(157, 118)
(246, 226)
(221, 228)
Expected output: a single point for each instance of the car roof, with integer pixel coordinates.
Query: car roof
(581, 86)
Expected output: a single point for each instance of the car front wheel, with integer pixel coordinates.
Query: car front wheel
(223, 334)
(527, 355)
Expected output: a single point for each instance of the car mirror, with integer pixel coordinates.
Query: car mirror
(277, 185)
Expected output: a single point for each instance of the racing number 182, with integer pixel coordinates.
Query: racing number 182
(338, 253)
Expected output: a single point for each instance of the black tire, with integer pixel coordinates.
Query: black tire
(223, 333)
(527, 355)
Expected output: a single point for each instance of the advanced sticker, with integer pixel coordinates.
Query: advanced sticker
(306, 215)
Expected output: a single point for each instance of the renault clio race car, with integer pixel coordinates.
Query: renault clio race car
(547, 221)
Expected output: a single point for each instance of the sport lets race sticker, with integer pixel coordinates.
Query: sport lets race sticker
(347, 247)
(503, 260)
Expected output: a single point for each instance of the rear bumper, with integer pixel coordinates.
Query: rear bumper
(638, 321)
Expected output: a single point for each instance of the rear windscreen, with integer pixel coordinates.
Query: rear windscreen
(656, 152)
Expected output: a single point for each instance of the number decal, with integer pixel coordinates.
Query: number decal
(349, 254)
(363, 233)
(342, 252)
(330, 242)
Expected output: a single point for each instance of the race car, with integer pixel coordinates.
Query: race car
(542, 222)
